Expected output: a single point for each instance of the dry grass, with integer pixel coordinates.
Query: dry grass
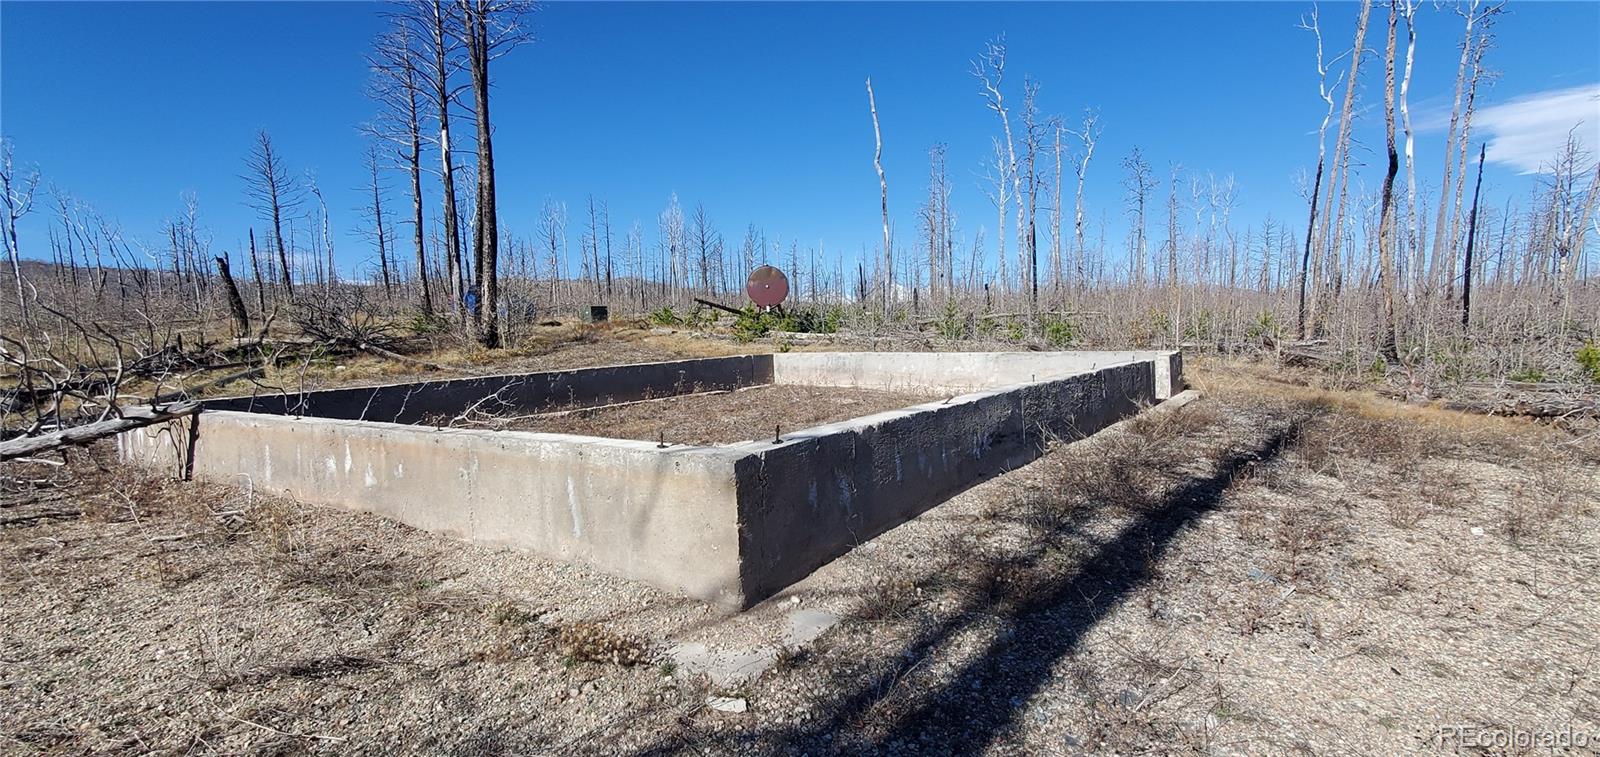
(750, 414)
(1270, 569)
(592, 642)
(1219, 578)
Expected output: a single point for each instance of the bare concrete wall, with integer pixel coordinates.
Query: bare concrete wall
(664, 516)
(826, 490)
(960, 371)
(419, 402)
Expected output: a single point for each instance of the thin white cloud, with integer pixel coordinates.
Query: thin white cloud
(1527, 132)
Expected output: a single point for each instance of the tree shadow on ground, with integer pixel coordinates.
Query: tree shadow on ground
(1044, 617)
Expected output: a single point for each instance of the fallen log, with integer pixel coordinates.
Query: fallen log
(399, 358)
(179, 394)
(1529, 407)
(132, 418)
(1313, 353)
(719, 306)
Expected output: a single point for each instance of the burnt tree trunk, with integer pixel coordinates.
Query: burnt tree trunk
(241, 317)
(487, 236)
(1472, 235)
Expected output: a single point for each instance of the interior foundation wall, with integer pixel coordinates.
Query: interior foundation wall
(585, 387)
(962, 371)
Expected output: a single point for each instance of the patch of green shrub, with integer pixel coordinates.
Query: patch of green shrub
(1016, 331)
(1265, 329)
(951, 325)
(423, 324)
(1589, 358)
(1059, 332)
(665, 317)
(986, 328)
(753, 324)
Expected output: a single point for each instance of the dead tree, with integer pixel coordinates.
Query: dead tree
(703, 239)
(605, 216)
(935, 221)
(1172, 228)
(990, 70)
(1055, 215)
(376, 209)
(1138, 184)
(1414, 217)
(593, 252)
(132, 418)
(552, 234)
(1472, 233)
(1440, 238)
(241, 317)
(674, 241)
(273, 192)
(17, 194)
(490, 29)
(883, 196)
(1339, 183)
(1386, 246)
(1033, 132)
(397, 89)
(1000, 176)
(1308, 272)
(1479, 48)
(437, 29)
(255, 272)
(326, 225)
(1088, 133)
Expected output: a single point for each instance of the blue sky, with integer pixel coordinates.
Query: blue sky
(756, 110)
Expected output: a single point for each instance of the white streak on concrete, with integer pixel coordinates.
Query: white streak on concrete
(572, 504)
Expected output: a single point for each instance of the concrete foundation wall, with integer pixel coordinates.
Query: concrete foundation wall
(826, 490)
(730, 524)
(664, 516)
(960, 371)
(419, 402)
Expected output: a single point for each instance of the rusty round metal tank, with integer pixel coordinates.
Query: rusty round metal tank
(767, 286)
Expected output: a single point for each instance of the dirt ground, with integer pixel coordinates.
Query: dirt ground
(1268, 569)
(751, 413)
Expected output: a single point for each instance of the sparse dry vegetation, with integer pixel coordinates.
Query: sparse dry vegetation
(1212, 576)
(724, 417)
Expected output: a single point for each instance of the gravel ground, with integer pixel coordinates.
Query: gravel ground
(746, 414)
(1266, 570)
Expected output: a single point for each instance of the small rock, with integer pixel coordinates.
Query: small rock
(727, 704)
(1476, 531)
